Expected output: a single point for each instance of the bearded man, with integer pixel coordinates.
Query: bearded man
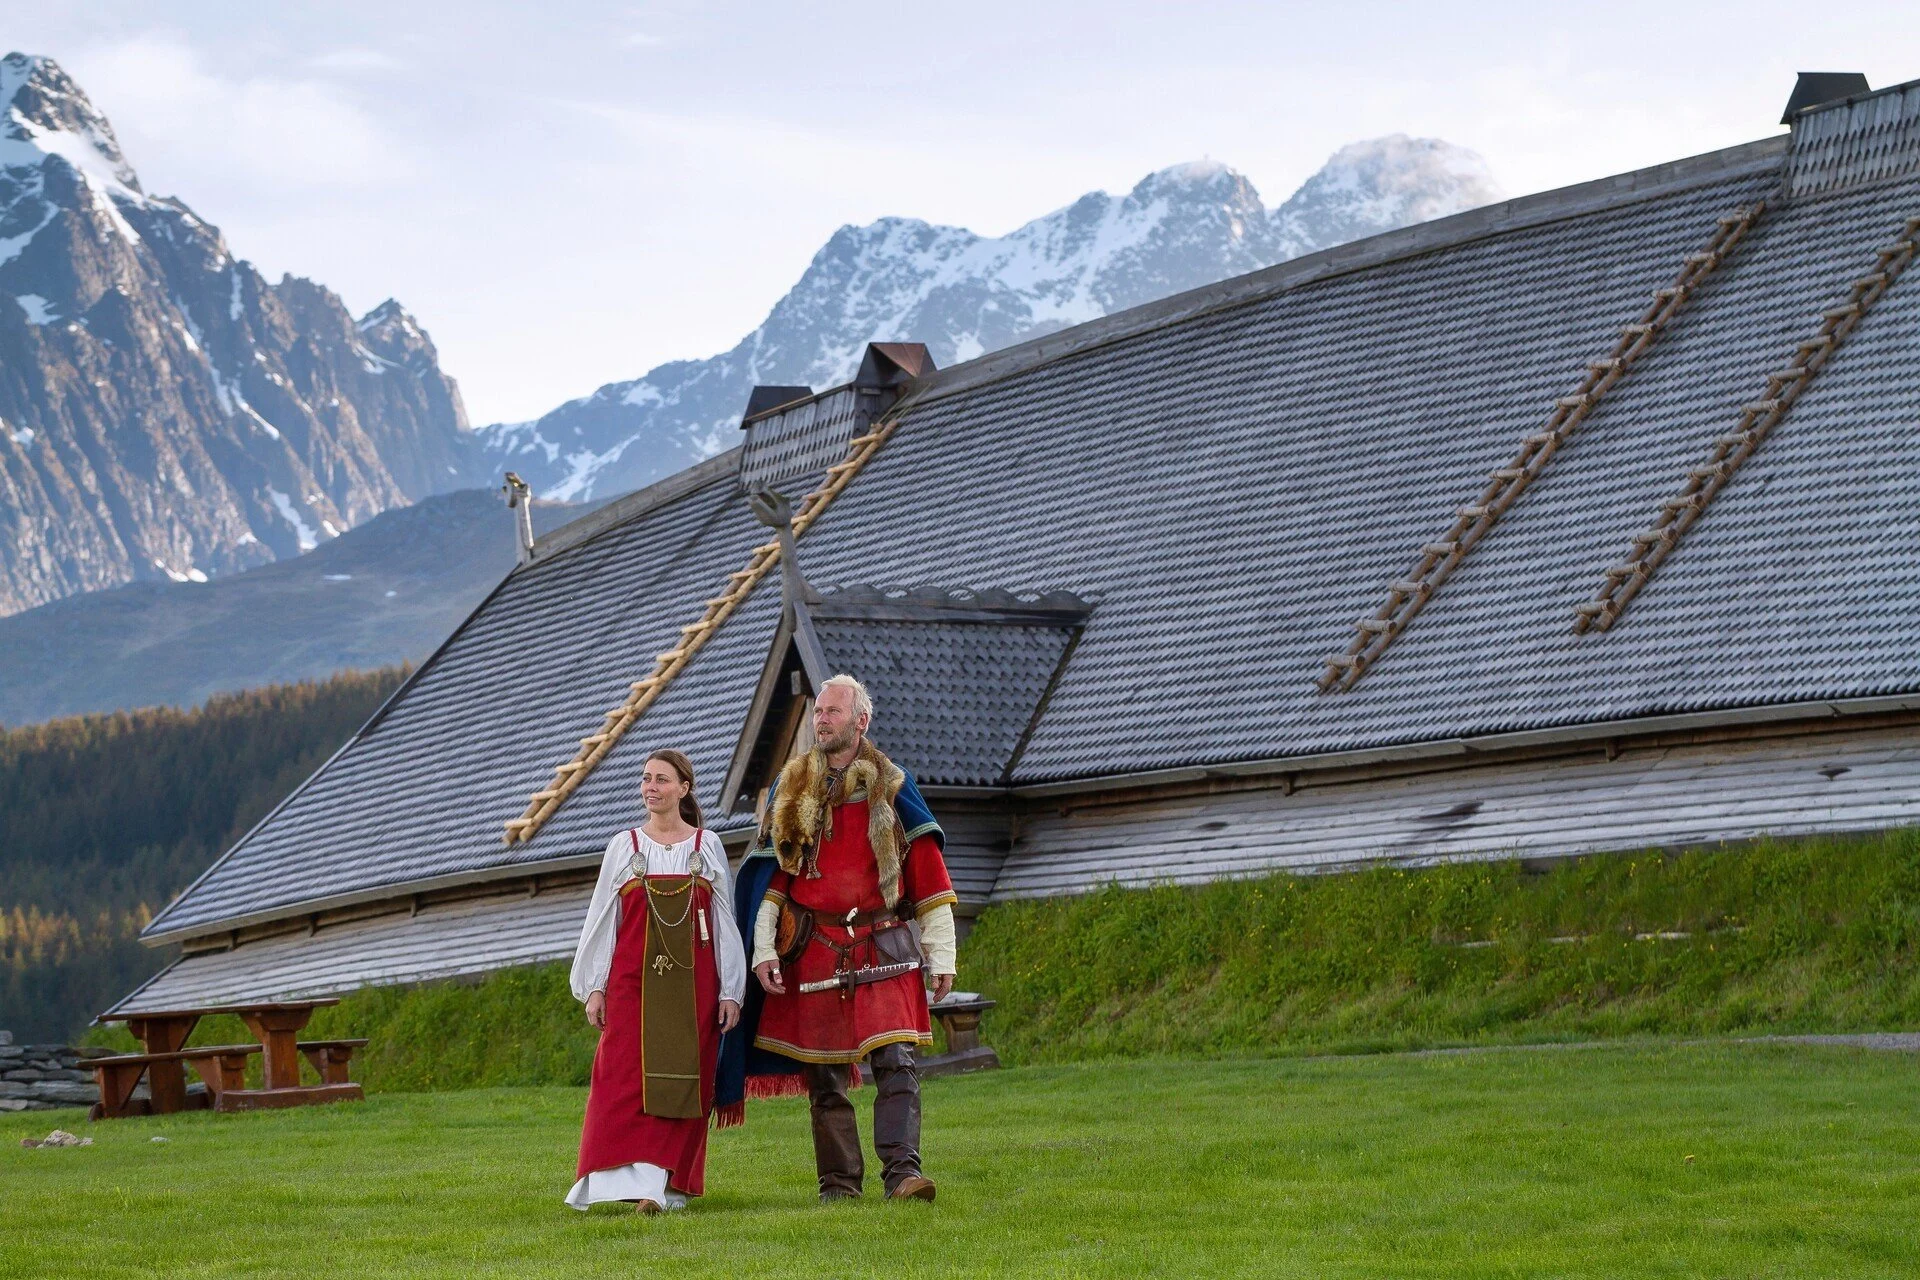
(859, 858)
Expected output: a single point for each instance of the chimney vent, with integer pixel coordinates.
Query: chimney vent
(765, 399)
(1817, 88)
(891, 365)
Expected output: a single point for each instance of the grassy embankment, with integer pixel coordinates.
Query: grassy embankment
(1788, 936)
(1635, 1161)
(1808, 935)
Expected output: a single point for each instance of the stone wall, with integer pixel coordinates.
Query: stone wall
(40, 1077)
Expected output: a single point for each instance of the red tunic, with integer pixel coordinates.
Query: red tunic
(617, 1132)
(835, 1026)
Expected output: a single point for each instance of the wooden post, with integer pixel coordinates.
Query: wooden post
(117, 1082)
(330, 1061)
(166, 1081)
(278, 1031)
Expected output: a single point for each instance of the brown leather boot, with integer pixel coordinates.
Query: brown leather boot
(836, 1133)
(896, 1117)
(913, 1187)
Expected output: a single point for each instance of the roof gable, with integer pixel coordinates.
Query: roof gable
(958, 678)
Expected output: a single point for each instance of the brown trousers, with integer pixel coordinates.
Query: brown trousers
(896, 1121)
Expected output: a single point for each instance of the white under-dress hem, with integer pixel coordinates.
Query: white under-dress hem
(637, 1181)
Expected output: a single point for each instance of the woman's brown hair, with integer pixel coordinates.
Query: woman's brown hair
(689, 807)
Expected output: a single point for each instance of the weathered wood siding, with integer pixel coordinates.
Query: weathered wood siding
(451, 940)
(977, 842)
(1665, 797)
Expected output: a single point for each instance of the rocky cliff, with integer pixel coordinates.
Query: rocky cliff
(166, 412)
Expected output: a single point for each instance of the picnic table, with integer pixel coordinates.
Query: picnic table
(276, 1026)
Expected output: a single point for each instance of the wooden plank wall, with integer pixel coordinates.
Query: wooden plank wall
(978, 837)
(452, 940)
(1673, 796)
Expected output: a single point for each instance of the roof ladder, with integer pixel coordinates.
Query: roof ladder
(1704, 482)
(1440, 557)
(740, 584)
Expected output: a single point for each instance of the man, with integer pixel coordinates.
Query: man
(859, 852)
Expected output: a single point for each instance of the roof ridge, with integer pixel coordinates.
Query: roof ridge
(1421, 238)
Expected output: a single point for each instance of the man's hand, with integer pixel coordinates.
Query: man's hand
(729, 1016)
(770, 979)
(942, 986)
(597, 1010)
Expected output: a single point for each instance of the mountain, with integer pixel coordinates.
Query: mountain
(382, 593)
(165, 412)
(965, 294)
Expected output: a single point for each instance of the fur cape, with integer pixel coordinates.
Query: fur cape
(801, 815)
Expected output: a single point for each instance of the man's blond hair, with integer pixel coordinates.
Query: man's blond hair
(862, 702)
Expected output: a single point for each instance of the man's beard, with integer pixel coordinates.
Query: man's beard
(841, 741)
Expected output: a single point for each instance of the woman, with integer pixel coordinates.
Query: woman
(661, 970)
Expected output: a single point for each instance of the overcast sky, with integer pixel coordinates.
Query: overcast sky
(569, 194)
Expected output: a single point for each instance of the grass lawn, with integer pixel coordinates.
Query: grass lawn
(1626, 1161)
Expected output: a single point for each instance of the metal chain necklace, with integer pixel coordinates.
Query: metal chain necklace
(657, 923)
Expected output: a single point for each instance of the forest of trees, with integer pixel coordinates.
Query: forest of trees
(104, 818)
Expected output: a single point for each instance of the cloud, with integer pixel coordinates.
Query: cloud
(288, 133)
(356, 60)
(642, 40)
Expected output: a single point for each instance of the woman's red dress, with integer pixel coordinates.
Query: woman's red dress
(617, 1132)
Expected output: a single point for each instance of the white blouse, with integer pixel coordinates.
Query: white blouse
(593, 959)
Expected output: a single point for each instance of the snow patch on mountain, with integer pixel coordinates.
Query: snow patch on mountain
(302, 531)
(38, 309)
(42, 115)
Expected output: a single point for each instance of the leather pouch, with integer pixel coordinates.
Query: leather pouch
(896, 945)
(792, 933)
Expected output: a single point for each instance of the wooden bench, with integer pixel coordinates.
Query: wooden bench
(222, 1067)
(329, 1059)
(959, 1016)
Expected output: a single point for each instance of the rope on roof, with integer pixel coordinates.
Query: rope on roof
(740, 584)
(1704, 482)
(1439, 558)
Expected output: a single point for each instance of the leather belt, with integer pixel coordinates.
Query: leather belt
(879, 917)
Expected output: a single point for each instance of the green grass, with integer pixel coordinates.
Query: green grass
(1801, 935)
(1548, 1162)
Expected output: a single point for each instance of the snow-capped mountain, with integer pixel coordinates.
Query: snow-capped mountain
(964, 294)
(165, 412)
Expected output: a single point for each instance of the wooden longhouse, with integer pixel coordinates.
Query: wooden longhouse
(1585, 521)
